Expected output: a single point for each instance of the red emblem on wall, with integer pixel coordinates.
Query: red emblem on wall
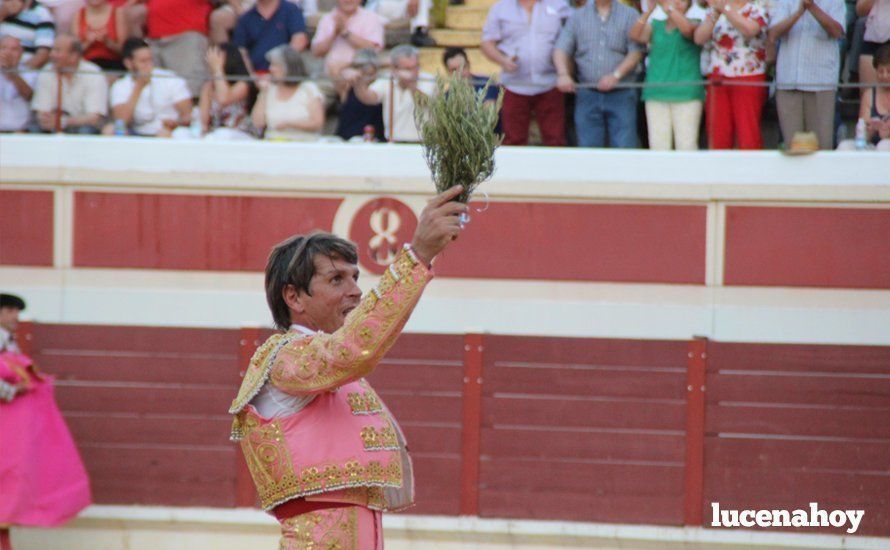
(379, 229)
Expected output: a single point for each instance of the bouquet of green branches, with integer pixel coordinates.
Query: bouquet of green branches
(456, 130)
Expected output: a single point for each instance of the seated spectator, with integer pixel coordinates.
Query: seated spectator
(417, 11)
(16, 86)
(177, 32)
(877, 32)
(521, 42)
(736, 32)
(673, 113)
(604, 111)
(355, 115)
(102, 28)
(149, 101)
(343, 31)
(225, 17)
(807, 34)
(267, 25)
(225, 103)
(875, 106)
(398, 103)
(33, 25)
(289, 108)
(84, 91)
(456, 61)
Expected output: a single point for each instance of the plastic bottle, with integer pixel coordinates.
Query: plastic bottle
(860, 141)
(368, 133)
(120, 127)
(195, 127)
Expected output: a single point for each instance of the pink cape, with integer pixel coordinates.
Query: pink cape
(42, 479)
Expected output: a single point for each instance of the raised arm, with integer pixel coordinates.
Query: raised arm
(312, 364)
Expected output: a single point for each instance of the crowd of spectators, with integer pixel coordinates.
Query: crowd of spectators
(244, 69)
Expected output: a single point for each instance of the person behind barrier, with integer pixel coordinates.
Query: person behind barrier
(226, 100)
(102, 28)
(734, 35)
(289, 108)
(673, 113)
(84, 93)
(398, 99)
(17, 84)
(149, 101)
(875, 106)
(807, 66)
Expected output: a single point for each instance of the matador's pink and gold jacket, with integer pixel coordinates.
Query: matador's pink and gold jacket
(344, 446)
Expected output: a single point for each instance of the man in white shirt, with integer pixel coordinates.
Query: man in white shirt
(84, 91)
(16, 86)
(149, 101)
(398, 103)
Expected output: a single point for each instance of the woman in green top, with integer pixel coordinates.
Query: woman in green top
(673, 113)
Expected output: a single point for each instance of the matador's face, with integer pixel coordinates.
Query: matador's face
(333, 293)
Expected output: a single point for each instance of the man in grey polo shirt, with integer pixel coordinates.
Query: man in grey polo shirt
(595, 36)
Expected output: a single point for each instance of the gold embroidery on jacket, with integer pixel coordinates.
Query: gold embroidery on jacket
(272, 470)
(364, 403)
(329, 529)
(378, 440)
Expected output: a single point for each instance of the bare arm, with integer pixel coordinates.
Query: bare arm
(183, 112)
(21, 86)
(641, 31)
(782, 27)
(684, 25)
(491, 51)
(124, 111)
(863, 7)
(89, 119)
(747, 27)
(629, 63)
(832, 27)
(123, 31)
(360, 43)
(39, 59)
(705, 30)
(299, 41)
(364, 93)
(258, 115)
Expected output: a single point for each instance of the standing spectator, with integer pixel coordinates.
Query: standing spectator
(16, 86)
(225, 103)
(673, 113)
(807, 33)
(877, 32)
(150, 101)
(84, 91)
(355, 115)
(417, 11)
(736, 31)
(177, 32)
(398, 100)
(33, 25)
(102, 28)
(344, 31)
(519, 36)
(596, 37)
(267, 25)
(289, 107)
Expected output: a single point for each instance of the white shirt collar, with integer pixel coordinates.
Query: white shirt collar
(301, 328)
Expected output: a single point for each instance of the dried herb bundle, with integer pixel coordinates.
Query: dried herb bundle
(457, 133)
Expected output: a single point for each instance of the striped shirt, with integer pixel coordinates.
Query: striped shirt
(34, 27)
(599, 46)
(807, 54)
